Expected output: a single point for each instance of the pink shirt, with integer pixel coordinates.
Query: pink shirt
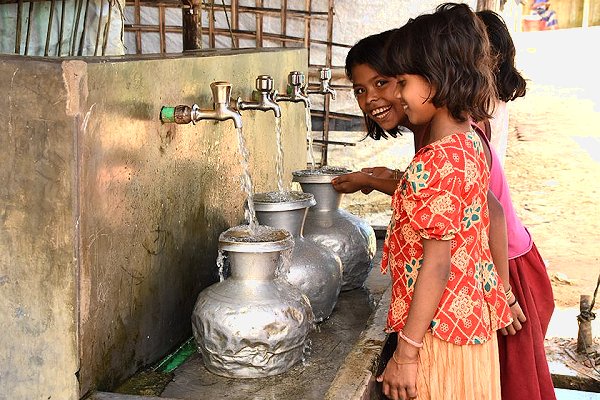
(519, 239)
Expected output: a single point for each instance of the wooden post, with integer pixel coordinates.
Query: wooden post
(284, 6)
(137, 18)
(259, 24)
(585, 23)
(327, 99)
(584, 336)
(235, 22)
(192, 25)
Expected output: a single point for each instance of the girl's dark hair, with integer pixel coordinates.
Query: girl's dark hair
(509, 82)
(450, 49)
(370, 51)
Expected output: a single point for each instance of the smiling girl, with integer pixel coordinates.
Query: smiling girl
(447, 298)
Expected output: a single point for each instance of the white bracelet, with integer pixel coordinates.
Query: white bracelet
(409, 340)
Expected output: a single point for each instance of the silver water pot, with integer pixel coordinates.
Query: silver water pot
(254, 323)
(349, 236)
(313, 268)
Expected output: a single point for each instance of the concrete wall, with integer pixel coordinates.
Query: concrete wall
(38, 265)
(110, 219)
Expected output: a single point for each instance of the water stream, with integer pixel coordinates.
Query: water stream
(279, 157)
(250, 214)
(221, 265)
(311, 155)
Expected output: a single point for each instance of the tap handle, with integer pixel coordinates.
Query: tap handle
(221, 92)
(179, 114)
(296, 78)
(325, 73)
(264, 83)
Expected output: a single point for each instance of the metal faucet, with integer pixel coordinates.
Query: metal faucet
(263, 97)
(325, 86)
(221, 111)
(296, 90)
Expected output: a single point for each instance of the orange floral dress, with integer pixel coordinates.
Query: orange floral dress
(443, 195)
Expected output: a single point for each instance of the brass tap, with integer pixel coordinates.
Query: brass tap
(221, 110)
(296, 90)
(263, 97)
(325, 83)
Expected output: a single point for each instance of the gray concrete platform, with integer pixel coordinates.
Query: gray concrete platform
(336, 342)
(341, 364)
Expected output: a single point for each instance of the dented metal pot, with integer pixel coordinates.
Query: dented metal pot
(254, 323)
(313, 268)
(349, 236)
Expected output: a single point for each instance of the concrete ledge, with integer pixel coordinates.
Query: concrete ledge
(356, 377)
(117, 396)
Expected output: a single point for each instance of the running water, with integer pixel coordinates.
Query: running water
(221, 265)
(279, 159)
(311, 156)
(250, 214)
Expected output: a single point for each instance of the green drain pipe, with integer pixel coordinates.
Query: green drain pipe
(178, 357)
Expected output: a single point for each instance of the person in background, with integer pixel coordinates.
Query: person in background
(509, 82)
(542, 8)
(447, 299)
(524, 368)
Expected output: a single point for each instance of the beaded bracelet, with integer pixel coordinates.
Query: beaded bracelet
(409, 340)
(396, 175)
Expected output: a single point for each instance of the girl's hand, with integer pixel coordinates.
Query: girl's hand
(352, 182)
(518, 318)
(399, 379)
(380, 172)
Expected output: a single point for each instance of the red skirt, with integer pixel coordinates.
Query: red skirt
(524, 372)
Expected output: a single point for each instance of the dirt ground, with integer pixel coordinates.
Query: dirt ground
(552, 162)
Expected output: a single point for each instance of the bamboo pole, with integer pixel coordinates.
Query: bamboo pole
(106, 32)
(259, 25)
(18, 30)
(284, 5)
(83, 28)
(137, 19)
(585, 23)
(584, 335)
(161, 29)
(49, 31)
(28, 34)
(75, 27)
(192, 26)
(235, 21)
(98, 29)
(211, 25)
(61, 30)
(327, 99)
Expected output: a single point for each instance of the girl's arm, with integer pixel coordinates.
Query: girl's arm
(430, 284)
(498, 242)
(399, 377)
(367, 180)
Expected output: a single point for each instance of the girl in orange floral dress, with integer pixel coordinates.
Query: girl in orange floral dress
(447, 298)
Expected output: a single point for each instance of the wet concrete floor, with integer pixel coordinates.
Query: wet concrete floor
(330, 343)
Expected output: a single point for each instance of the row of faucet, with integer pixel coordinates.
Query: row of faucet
(264, 98)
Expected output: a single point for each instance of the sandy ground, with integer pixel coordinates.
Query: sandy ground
(552, 162)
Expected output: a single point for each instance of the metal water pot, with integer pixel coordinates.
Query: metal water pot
(349, 236)
(313, 268)
(254, 323)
